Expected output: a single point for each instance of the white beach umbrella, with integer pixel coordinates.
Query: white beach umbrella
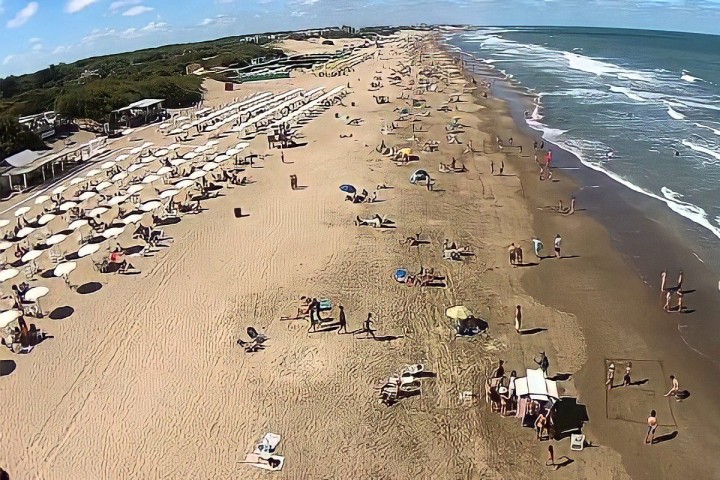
(64, 269)
(5, 244)
(151, 178)
(56, 239)
(176, 162)
(163, 126)
(169, 193)
(164, 170)
(122, 157)
(150, 206)
(24, 232)
(181, 118)
(31, 255)
(4, 222)
(93, 173)
(203, 148)
(42, 199)
(87, 195)
(118, 176)
(103, 186)
(97, 211)
(174, 146)
(212, 128)
(78, 180)
(113, 232)
(161, 152)
(232, 152)
(117, 200)
(212, 143)
(176, 131)
(108, 164)
(134, 189)
(242, 145)
(190, 155)
(185, 183)
(21, 211)
(197, 174)
(221, 158)
(88, 250)
(65, 206)
(81, 222)
(59, 190)
(210, 166)
(9, 316)
(134, 218)
(186, 126)
(36, 293)
(45, 219)
(135, 166)
(147, 159)
(8, 273)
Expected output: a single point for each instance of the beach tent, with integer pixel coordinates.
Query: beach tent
(536, 386)
(419, 175)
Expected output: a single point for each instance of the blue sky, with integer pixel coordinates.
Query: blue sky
(35, 33)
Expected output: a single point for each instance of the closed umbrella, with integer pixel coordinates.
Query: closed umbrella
(459, 312)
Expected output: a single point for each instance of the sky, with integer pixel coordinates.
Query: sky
(36, 33)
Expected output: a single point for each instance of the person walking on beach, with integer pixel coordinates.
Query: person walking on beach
(610, 376)
(367, 326)
(674, 389)
(668, 298)
(282, 156)
(518, 318)
(502, 167)
(652, 426)
(537, 247)
(558, 241)
(342, 321)
(626, 378)
(499, 372)
(314, 318)
(663, 279)
(680, 280)
(492, 167)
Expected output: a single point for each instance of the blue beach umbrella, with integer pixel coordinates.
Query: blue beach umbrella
(347, 188)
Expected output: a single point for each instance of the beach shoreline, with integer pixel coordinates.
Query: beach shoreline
(612, 227)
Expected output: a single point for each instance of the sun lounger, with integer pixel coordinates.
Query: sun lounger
(262, 461)
(268, 444)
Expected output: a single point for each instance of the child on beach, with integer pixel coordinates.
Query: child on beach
(652, 426)
(674, 389)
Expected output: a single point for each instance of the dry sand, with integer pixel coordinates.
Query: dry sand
(143, 379)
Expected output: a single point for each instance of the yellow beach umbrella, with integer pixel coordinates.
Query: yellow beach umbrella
(459, 312)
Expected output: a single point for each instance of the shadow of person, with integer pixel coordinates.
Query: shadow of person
(640, 382)
(565, 462)
(666, 437)
(532, 331)
(7, 367)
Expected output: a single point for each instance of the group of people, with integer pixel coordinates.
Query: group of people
(515, 251)
(669, 292)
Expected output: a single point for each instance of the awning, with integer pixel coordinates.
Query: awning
(23, 159)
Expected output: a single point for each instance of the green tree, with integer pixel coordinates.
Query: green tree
(14, 138)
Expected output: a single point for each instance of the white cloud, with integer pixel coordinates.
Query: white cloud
(23, 15)
(61, 49)
(8, 59)
(155, 27)
(217, 20)
(120, 4)
(137, 10)
(206, 22)
(34, 40)
(74, 6)
(37, 47)
(297, 13)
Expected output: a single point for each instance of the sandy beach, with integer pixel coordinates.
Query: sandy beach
(143, 378)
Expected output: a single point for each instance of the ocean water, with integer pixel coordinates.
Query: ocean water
(643, 107)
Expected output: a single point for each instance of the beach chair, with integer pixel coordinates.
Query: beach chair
(577, 442)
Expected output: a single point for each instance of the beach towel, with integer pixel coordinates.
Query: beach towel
(261, 461)
(325, 304)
